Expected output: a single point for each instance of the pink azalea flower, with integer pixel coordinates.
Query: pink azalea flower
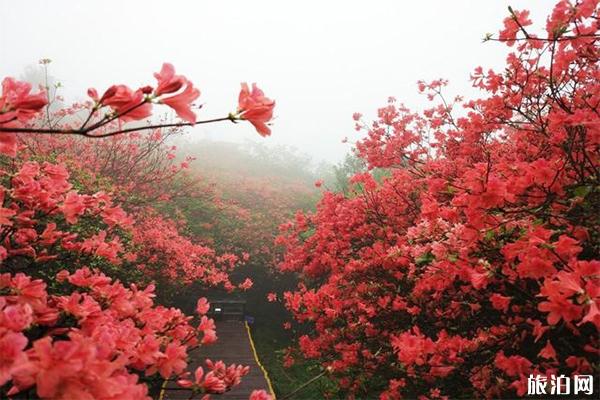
(254, 107)
(17, 103)
(181, 102)
(259, 395)
(168, 82)
(13, 356)
(8, 144)
(208, 329)
(247, 284)
(17, 317)
(125, 101)
(212, 384)
(73, 207)
(174, 361)
(202, 306)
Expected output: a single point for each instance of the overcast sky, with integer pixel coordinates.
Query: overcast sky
(320, 60)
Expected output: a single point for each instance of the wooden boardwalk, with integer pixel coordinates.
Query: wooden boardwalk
(233, 347)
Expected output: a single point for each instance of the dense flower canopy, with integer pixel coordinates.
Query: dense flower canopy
(83, 249)
(463, 259)
(472, 261)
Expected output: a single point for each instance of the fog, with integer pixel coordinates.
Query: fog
(320, 60)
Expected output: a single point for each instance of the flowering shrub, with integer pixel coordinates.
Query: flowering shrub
(68, 226)
(88, 337)
(474, 261)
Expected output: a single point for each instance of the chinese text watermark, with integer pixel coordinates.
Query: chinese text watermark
(561, 384)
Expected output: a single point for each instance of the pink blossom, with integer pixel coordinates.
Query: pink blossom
(254, 107)
(174, 361)
(13, 357)
(202, 306)
(181, 102)
(168, 82)
(130, 105)
(17, 317)
(259, 395)
(73, 207)
(8, 144)
(16, 101)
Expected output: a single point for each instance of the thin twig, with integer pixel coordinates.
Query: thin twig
(289, 395)
(87, 132)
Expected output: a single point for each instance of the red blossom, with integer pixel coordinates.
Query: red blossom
(68, 330)
(477, 223)
(513, 24)
(548, 351)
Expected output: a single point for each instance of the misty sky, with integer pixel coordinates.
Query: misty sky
(320, 60)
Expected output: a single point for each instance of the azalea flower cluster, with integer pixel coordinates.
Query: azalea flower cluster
(218, 380)
(473, 261)
(137, 163)
(90, 339)
(43, 218)
(120, 103)
(177, 92)
(77, 246)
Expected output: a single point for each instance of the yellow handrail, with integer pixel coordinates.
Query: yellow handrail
(265, 373)
(162, 389)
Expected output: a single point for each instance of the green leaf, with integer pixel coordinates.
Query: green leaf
(424, 259)
(582, 191)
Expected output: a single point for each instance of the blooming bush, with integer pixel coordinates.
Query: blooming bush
(69, 225)
(473, 262)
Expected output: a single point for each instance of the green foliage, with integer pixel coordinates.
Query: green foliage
(271, 342)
